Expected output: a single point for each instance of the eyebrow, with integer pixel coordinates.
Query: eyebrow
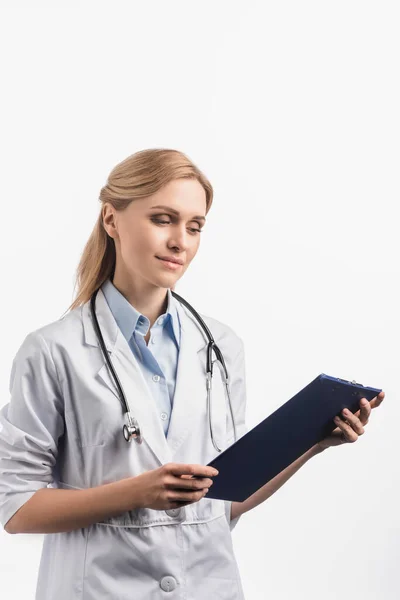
(176, 212)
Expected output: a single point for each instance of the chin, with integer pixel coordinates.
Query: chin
(169, 281)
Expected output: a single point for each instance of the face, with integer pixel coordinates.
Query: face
(143, 232)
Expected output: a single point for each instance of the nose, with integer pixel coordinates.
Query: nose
(180, 237)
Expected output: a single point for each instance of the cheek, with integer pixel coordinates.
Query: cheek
(190, 255)
(131, 244)
(136, 240)
(195, 246)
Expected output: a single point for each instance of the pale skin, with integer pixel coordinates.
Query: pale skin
(139, 275)
(141, 233)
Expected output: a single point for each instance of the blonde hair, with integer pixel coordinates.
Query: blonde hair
(138, 176)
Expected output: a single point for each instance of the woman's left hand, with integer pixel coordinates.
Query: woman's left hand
(350, 426)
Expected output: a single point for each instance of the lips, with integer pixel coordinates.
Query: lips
(171, 259)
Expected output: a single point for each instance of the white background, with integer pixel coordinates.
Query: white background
(292, 111)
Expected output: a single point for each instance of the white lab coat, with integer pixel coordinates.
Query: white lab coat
(63, 427)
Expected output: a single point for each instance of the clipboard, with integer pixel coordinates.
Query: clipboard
(285, 435)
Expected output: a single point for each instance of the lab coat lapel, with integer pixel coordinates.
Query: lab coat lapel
(190, 387)
(137, 393)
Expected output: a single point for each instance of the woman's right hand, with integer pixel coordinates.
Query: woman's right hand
(171, 486)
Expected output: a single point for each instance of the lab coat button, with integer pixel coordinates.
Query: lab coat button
(164, 416)
(173, 512)
(168, 584)
(156, 378)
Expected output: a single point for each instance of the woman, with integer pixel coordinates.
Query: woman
(127, 519)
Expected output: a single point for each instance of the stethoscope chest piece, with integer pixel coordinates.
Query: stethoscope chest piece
(132, 431)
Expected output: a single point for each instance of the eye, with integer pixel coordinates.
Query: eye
(162, 222)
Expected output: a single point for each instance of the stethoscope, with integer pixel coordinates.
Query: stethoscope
(132, 429)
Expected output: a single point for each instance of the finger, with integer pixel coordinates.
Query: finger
(187, 496)
(353, 420)
(349, 433)
(185, 476)
(364, 412)
(377, 401)
(202, 480)
(190, 469)
(180, 483)
(185, 491)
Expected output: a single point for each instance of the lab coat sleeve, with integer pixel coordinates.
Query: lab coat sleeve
(30, 426)
(238, 398)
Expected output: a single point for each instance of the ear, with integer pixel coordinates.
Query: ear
(109, 220)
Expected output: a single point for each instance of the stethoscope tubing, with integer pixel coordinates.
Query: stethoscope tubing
(133, 429)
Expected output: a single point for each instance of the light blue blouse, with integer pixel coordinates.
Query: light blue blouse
(159, 359)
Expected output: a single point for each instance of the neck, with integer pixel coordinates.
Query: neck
(149, 300)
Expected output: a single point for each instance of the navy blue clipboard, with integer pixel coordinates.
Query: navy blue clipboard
(285, 435)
